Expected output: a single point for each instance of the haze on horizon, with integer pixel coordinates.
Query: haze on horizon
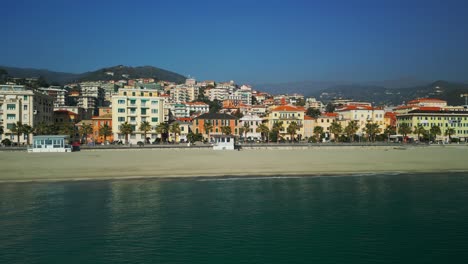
(278, 41)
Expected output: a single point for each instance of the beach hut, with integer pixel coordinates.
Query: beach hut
(223, 142)
(50, 143)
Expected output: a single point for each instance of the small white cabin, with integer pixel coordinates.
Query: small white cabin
(223, 142)
(50, 143)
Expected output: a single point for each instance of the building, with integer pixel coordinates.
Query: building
(223, 142)
(218, 94)
(362, 114)
(325, 120)
(287, 114)
(136, 106)
(457, 120)
(218, 121)
(185, 128)
(252, 121)
(427, 102)
(184, 93)
(97, 123)
(92, 96)
(29, 107)
(58, 94)
(197, 108)
(50, 143)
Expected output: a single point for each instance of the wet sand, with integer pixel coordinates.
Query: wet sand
(166, 163)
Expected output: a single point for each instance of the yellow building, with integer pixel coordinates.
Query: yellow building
(287, 114)
(457, 120)
(136, 106)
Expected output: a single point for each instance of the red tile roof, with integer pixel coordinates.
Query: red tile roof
(289, 108)
(426, 100)
(308, 118)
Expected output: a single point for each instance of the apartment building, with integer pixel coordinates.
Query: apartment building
(184, 93)
(287, 114)
(136, 106)
(58, 94)
(362, 114)
(19, 104)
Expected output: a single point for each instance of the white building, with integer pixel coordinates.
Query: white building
(218, 94)
(362, 114)
(58, 94)
(18, 104)
(136, 106)
(184, 93)
(253, 121)
(197, 107)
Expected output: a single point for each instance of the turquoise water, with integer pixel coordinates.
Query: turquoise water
(351, 219)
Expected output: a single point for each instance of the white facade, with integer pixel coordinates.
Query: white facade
(136, 106)
(363, 115)
(253, 121)
(17, 104)
(184, 93)
(218, 94)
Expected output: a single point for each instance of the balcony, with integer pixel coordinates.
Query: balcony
(132, 113)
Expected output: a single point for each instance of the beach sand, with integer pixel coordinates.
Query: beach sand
(165, 163)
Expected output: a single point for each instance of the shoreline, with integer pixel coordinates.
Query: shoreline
(205, 163)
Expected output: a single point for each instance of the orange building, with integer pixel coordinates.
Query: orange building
(217, 120)
(98, 122)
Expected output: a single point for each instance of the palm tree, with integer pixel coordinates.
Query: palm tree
(163, 129)
(292, 129)
(449, 132)
(435, 131)
(277, 127)
(84, 131)
(318, 130)
(27, 130)
(42, 129)
(351, 129)
(105, 131)
(226, 130)
(1, 131)
(419, 129)
(145, 127)
(67, 129)
(389, 130)
(208, 127)
(246, 128)
(264, 130)
(404, 129)
(175, 128)
(372, 129)
(126, 129)
(336, 129)
(17, 129)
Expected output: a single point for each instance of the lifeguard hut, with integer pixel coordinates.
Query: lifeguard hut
(50, 143)
(223, 142)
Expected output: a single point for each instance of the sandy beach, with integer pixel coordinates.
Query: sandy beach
(165, 163)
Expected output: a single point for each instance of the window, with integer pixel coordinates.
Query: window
(25, 107)
(132, 102)
(121, 110)
(121, 101)
(121, 119)
(154, 119)
(154, 111)
(25, 97)
(11, 106)
(11, 116)
(154, 102)
(9, 126)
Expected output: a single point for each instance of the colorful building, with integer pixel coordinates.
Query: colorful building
(218, 121)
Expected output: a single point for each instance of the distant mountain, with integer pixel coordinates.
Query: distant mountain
(311, 87)
(379, 95)
(122, 72)
(118, 72)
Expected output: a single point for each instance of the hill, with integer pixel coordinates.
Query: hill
(379, 95)
(101, 74)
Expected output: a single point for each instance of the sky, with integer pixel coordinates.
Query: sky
(246, 41)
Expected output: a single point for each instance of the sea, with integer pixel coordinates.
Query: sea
(374, 218)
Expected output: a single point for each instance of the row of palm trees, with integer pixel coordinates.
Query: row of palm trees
(145, 127)
(405, 129)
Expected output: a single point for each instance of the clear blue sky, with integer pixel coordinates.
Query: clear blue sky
(247, 41)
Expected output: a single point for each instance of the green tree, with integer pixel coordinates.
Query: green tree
(145, 127)
(318, 131)
(434, 132)
(351, 129)
(313, 112)
(226, 130)
(330, 108)
(68, 130)
(126, 129)
(246, 127)
(84, 131)
(277, 127)
(42, 129)
(27, 130)
(105, 131)
(292, 129)
(372, 129)
(264, 130)
(336, 129)
(1, 130)
(419, 130)
(404, 129)
(208, 127)
(163, 130)
(17, 129)
(449, 132)
(175, 129)
(300, 102)
(389, 130)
